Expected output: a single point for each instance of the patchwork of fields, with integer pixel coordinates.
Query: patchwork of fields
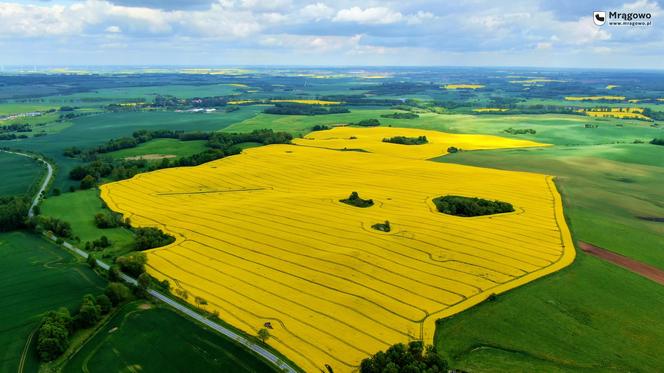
(262, 238)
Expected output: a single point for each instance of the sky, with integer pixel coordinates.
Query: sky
(545, 33)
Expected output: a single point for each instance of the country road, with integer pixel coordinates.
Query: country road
(49, 175)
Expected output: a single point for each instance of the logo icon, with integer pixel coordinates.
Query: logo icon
(599, 17)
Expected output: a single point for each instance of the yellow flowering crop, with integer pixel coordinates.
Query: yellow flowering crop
(615, 112)
(262, 237)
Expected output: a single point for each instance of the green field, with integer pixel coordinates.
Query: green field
(590, 317)
(79, 208)
(160, 340)
(17, 108)
(593, 315)
(164, 147)
(20, 174)
(551, 128)
(35, 276)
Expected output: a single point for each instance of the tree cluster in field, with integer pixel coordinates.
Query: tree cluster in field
(12, 136)
(57, 326)
(320, 127)
(149, 238)
(59, 228)
(520, 131)
(657, 141)
(403, 140)
(412, 358)
(220, 145)
(13, 212)
(453, 149)
(361, 100)
(470, 206)
(355, 200)
(98, 244)
(590, 125)
(373, 122)
(383, 227)
(399, 115)
(294, 108)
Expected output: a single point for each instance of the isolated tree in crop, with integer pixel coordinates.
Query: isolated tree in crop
(263, 334)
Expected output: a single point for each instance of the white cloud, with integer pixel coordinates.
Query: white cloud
(376, 15)
(316, 12)
(113, 29)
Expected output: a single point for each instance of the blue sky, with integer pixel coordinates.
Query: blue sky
(544, 33)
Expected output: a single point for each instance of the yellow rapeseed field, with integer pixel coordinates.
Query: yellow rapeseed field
(262, 237)
(463, 86)
(594, 98)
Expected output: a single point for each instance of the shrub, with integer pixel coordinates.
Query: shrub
(87, 182)
(320, 127)
(383, 227)
(133, 264)
(467, 207)
(355, 200)
(117, 293)
(368, 123)
(657, 141)
(453, 149)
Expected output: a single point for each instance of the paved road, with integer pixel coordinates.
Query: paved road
(266, 354)
(43, 186)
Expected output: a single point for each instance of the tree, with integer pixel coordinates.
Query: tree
(401, 358)
(53, 334)
(149, 238)
(87, 182)
(133, 264)
(200, 302)
(104, 303)
(263, 334)
(89, 313)
(117, 293)
(92, 262)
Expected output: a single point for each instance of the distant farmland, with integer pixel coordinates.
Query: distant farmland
(263, 238)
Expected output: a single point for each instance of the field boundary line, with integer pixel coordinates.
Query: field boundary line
(24, 353)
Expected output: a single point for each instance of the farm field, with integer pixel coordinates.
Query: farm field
(142, 337)
(334, 289)
(170, 148)
(35, 277)
(20, 174)
(555, 129)
(597, 308)
(78, 209)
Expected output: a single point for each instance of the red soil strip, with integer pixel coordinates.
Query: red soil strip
(642, 269)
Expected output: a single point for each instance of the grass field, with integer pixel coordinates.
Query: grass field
(20, 174)
(591, 316)
(79, 209)
(169, 147)
(606, 189)
(160, 340)
(35, 276)
(262, 237)
(17, 108)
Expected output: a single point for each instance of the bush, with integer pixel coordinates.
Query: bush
(355, 200)
(104, 303)
(453, 149)
(133, 264)
(149, 238)
(403, 140)
(467, 207)
(657, 141)
(89, 313)
(320, 127)
(87, 182)
(383, 227)
(105, 220)
(401, 358)
(523, 131)
(117, 293)
(59, 227)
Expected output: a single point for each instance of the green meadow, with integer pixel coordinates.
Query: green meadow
(36, 276)
(170, 147)
(20, 174)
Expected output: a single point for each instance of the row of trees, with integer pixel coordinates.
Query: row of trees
(399, 115)
(292, 108)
